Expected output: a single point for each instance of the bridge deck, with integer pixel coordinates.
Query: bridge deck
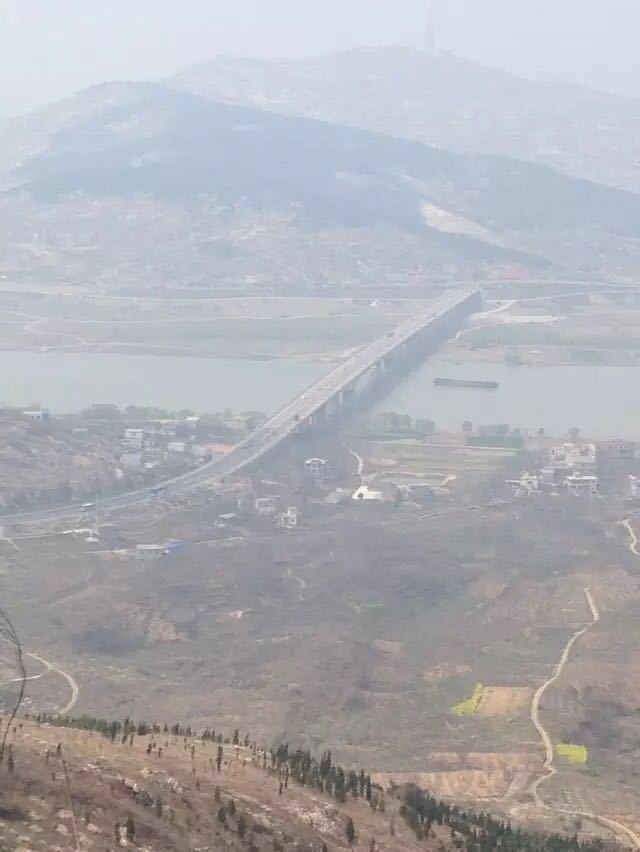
(286, 421)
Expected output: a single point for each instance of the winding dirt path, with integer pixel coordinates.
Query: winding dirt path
(359, 461)
(547, 742)
(633, 544)
(302, 583)
(70, 680)
(614, 825)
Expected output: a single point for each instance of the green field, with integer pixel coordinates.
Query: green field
(470, 705)
(575, 754)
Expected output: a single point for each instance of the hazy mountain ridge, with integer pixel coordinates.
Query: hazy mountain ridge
(441, 100)
(256, 193)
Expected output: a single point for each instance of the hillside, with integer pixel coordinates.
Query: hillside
(66, 785)
(442, 100)
(127, 182)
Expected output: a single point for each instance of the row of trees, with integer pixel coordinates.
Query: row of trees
(322, 775)
(475, 832)
(115, 729)
(480, 832)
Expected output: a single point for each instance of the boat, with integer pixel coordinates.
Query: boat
(466, 383)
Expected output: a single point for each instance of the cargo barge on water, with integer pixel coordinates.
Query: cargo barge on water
(466, 383)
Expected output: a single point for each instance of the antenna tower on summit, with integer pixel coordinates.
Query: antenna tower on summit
(431, 27)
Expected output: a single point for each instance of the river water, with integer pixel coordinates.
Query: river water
(600, 401)
(69, 382)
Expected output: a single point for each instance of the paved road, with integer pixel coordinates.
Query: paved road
(281, 425)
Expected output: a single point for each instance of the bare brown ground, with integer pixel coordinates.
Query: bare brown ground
(504, 700)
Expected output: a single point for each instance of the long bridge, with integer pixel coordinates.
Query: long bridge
(381, 362)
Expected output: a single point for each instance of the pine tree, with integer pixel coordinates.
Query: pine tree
(222, 815)
(231, 807)
(350, 831)
(130, 829)
(242, 826)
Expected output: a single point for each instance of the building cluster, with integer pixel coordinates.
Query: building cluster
(270, 507)
(146, 447)
(574, 468)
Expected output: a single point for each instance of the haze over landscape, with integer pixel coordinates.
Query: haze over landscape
(319, 460)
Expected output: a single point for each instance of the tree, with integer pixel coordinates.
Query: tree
(216, 794)
(9, 639)
(130, 829)
(219, 757)
(231, 807)
(425, 426)
(236, 737)
(222, 815)
(242, 826)
(350, 831)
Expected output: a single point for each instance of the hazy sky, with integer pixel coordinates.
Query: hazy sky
(50, 48)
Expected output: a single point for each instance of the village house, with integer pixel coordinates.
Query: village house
(316, 469)
(582, 486)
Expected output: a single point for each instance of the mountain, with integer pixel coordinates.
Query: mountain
(132, 181)
(441, 100)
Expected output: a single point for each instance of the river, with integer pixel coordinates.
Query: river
(69, 382)
(598, 400)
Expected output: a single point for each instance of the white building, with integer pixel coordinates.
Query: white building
(548, 476)
(528, 483)
(36, 415)
(176, 446)
(289, 520)
(634, 486)
(577, 457)
(367, 493)
(582, 486)
(266, 506)
(316, 468)
(133, 438)
(149, 551)
(413, 489)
